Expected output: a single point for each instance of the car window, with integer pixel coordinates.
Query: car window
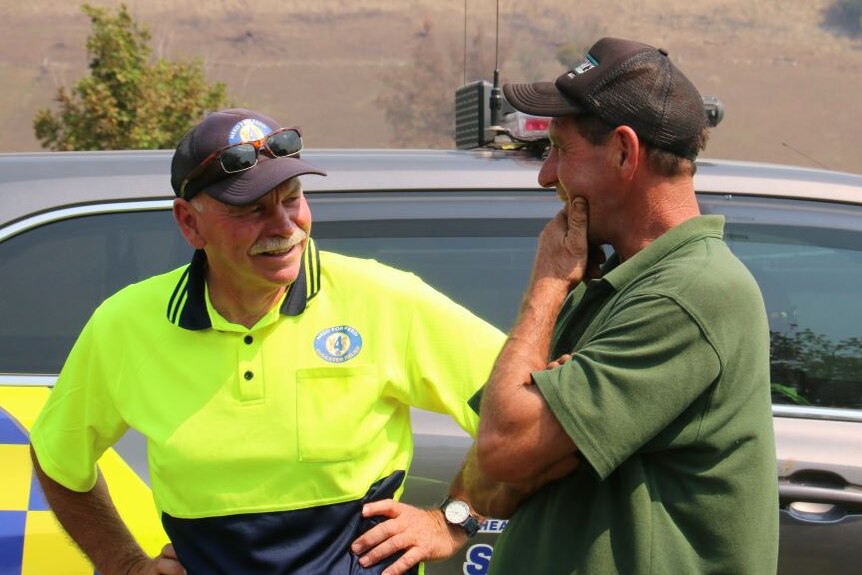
(55, 275)
(807, 259)
(481, 264)
(806, 256)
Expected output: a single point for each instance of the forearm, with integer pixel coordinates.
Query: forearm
(515, 418)
(562, 262)
(488, 498)
(92, 521)
(500, 499)
(526, 350)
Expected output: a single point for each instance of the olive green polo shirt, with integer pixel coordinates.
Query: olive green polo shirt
(667, 398)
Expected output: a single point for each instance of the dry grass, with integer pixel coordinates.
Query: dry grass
(790, 83)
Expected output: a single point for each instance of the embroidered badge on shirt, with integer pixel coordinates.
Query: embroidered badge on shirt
(338, 344)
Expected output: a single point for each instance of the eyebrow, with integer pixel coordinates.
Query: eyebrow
(290, 188)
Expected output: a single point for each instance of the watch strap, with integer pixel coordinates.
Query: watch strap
(471, 525)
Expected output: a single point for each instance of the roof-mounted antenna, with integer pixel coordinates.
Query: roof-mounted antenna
(465, 41)
(496, 102)
(481, 111)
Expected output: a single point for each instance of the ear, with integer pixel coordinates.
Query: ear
(627, 151)
(187, 216)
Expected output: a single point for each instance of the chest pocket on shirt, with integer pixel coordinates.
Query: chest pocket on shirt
(340, 411)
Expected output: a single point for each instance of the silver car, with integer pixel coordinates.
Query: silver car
(75, 227)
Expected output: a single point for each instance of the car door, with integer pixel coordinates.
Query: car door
(807, 259)
(55, 268)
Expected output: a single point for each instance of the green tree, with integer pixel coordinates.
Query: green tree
(811, 368)
(127, 101)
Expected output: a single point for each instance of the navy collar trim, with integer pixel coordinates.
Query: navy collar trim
(187, 306)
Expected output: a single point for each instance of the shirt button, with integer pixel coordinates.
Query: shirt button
(248, 339)
(248, 375)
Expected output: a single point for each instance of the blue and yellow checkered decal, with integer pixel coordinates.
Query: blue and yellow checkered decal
(13, 507)
(31, 540)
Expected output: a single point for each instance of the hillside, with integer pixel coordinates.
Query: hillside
(788, 76)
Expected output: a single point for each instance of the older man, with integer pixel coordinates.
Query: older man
(272, 381)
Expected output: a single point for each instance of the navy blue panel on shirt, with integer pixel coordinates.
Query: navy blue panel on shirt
(312, 541)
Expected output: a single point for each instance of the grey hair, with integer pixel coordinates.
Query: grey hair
(197, 204)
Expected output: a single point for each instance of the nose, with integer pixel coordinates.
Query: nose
(282, 219)
(548, 171)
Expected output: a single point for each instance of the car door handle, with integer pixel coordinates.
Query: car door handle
(847, 496)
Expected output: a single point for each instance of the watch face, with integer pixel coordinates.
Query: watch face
(457, 512)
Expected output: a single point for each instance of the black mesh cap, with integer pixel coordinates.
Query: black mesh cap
(224, 128)
(624, 83)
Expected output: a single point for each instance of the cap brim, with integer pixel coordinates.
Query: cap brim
(250, 185)
(540, 99)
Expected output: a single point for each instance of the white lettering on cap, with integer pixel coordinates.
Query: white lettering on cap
(588, 64)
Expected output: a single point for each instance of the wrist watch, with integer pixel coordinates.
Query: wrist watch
(457, 512)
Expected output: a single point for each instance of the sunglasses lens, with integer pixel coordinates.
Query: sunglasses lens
(238, 158)
(284, 143)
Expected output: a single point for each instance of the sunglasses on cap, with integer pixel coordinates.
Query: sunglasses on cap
(282, 143)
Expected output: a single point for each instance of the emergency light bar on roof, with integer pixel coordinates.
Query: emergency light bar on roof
(523, 126)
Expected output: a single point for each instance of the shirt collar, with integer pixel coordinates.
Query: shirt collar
(187, 305)
(619, 273)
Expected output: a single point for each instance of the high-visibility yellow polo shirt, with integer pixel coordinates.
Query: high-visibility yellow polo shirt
(308, 408)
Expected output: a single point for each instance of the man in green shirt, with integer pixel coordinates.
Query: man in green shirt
(626, 426)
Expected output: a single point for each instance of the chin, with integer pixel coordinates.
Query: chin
(282, 275)
(285, 278)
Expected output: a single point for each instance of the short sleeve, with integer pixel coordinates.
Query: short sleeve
(79, 422)
(647, 364)
(450, 355)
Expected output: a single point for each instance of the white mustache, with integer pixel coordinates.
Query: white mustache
(278, 244)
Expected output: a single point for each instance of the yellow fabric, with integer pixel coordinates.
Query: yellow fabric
(297, 412)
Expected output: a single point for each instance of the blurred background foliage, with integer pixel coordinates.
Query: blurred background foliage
(372, 73)
(128, 100)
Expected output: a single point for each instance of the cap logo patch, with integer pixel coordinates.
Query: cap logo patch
(588, 64)
(338, 344)
(248, 130)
